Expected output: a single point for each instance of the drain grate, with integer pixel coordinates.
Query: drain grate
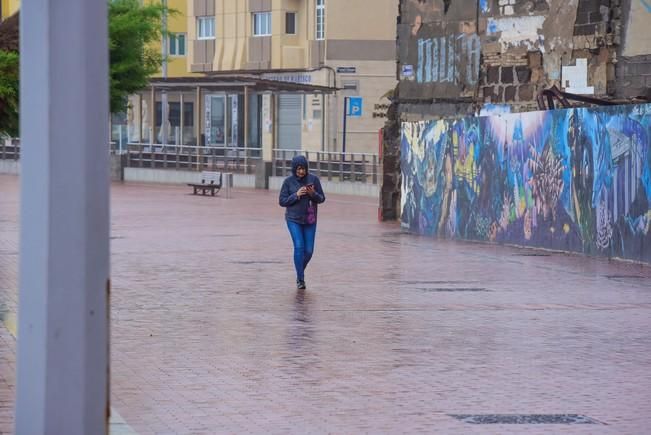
(395, 233)
(532, 254)
(524, 419)
(624, 277)
(437, 282)
(456, 289)
(247, 262)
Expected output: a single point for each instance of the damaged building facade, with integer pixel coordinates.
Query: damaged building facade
(459, 58)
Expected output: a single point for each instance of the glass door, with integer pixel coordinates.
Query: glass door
(215, 120)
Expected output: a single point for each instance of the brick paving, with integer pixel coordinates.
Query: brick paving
(394, 334)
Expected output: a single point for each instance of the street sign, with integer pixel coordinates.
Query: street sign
(355, 107)
(346, 69)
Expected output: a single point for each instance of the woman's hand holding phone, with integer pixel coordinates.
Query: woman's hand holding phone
(306, 190)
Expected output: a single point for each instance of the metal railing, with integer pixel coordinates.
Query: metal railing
(186, 157)
(9, 149)
(357, 167)
(331, 166)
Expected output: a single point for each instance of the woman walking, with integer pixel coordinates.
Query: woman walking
(300, 194)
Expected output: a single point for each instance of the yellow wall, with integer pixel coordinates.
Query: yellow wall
(177, 66)
(9, 7)
(234, 29)
(178, 23)
(231, 24)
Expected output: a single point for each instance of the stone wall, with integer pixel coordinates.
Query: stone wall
(514, 80)
(488, 51)
(634, 62)
(504, 52)
(592, 17)
(634, 77)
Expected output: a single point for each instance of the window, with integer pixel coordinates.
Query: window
(177, 44)
(290, 23)
(174, 117)
(262, 24)
(188, 114)
(159, 113)
(320, 19)
(206, 27)
(174, 114)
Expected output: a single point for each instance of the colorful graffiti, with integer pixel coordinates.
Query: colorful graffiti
(573, 180)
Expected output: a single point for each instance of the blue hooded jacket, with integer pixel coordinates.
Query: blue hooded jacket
(297, 207)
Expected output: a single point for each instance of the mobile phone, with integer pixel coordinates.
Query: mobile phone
(310, 186)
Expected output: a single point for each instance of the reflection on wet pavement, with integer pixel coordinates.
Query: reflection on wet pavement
(395, 333)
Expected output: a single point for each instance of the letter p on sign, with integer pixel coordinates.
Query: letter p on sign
(355, 106)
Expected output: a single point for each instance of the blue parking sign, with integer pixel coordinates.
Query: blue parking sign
(354, 106)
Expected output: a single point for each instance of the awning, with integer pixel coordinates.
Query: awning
(236, 83)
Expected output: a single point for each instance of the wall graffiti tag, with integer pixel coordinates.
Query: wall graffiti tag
(440, 59)
(573, 180)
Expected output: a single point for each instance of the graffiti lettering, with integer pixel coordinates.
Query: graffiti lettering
(442, 59)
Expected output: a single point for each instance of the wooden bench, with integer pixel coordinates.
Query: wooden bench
(210, 182)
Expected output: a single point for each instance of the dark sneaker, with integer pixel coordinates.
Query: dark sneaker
(300, 285)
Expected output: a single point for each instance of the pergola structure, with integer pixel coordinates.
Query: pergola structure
(242, 84)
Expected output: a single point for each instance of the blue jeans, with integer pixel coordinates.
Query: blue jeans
(303, 237)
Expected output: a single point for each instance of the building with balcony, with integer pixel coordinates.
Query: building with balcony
(335, 58)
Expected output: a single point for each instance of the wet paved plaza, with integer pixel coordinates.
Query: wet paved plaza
(395, 334)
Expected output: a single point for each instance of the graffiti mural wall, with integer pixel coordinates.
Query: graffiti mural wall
(574, 180)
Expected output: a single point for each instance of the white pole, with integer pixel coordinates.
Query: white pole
(165, 118)
(120, 138)
(165, 41)
(63, 336)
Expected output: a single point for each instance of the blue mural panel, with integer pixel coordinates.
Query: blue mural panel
(574, 180)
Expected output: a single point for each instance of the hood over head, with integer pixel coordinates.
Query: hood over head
(299, 161)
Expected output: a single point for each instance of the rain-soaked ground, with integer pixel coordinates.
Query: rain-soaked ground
(395, 333)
